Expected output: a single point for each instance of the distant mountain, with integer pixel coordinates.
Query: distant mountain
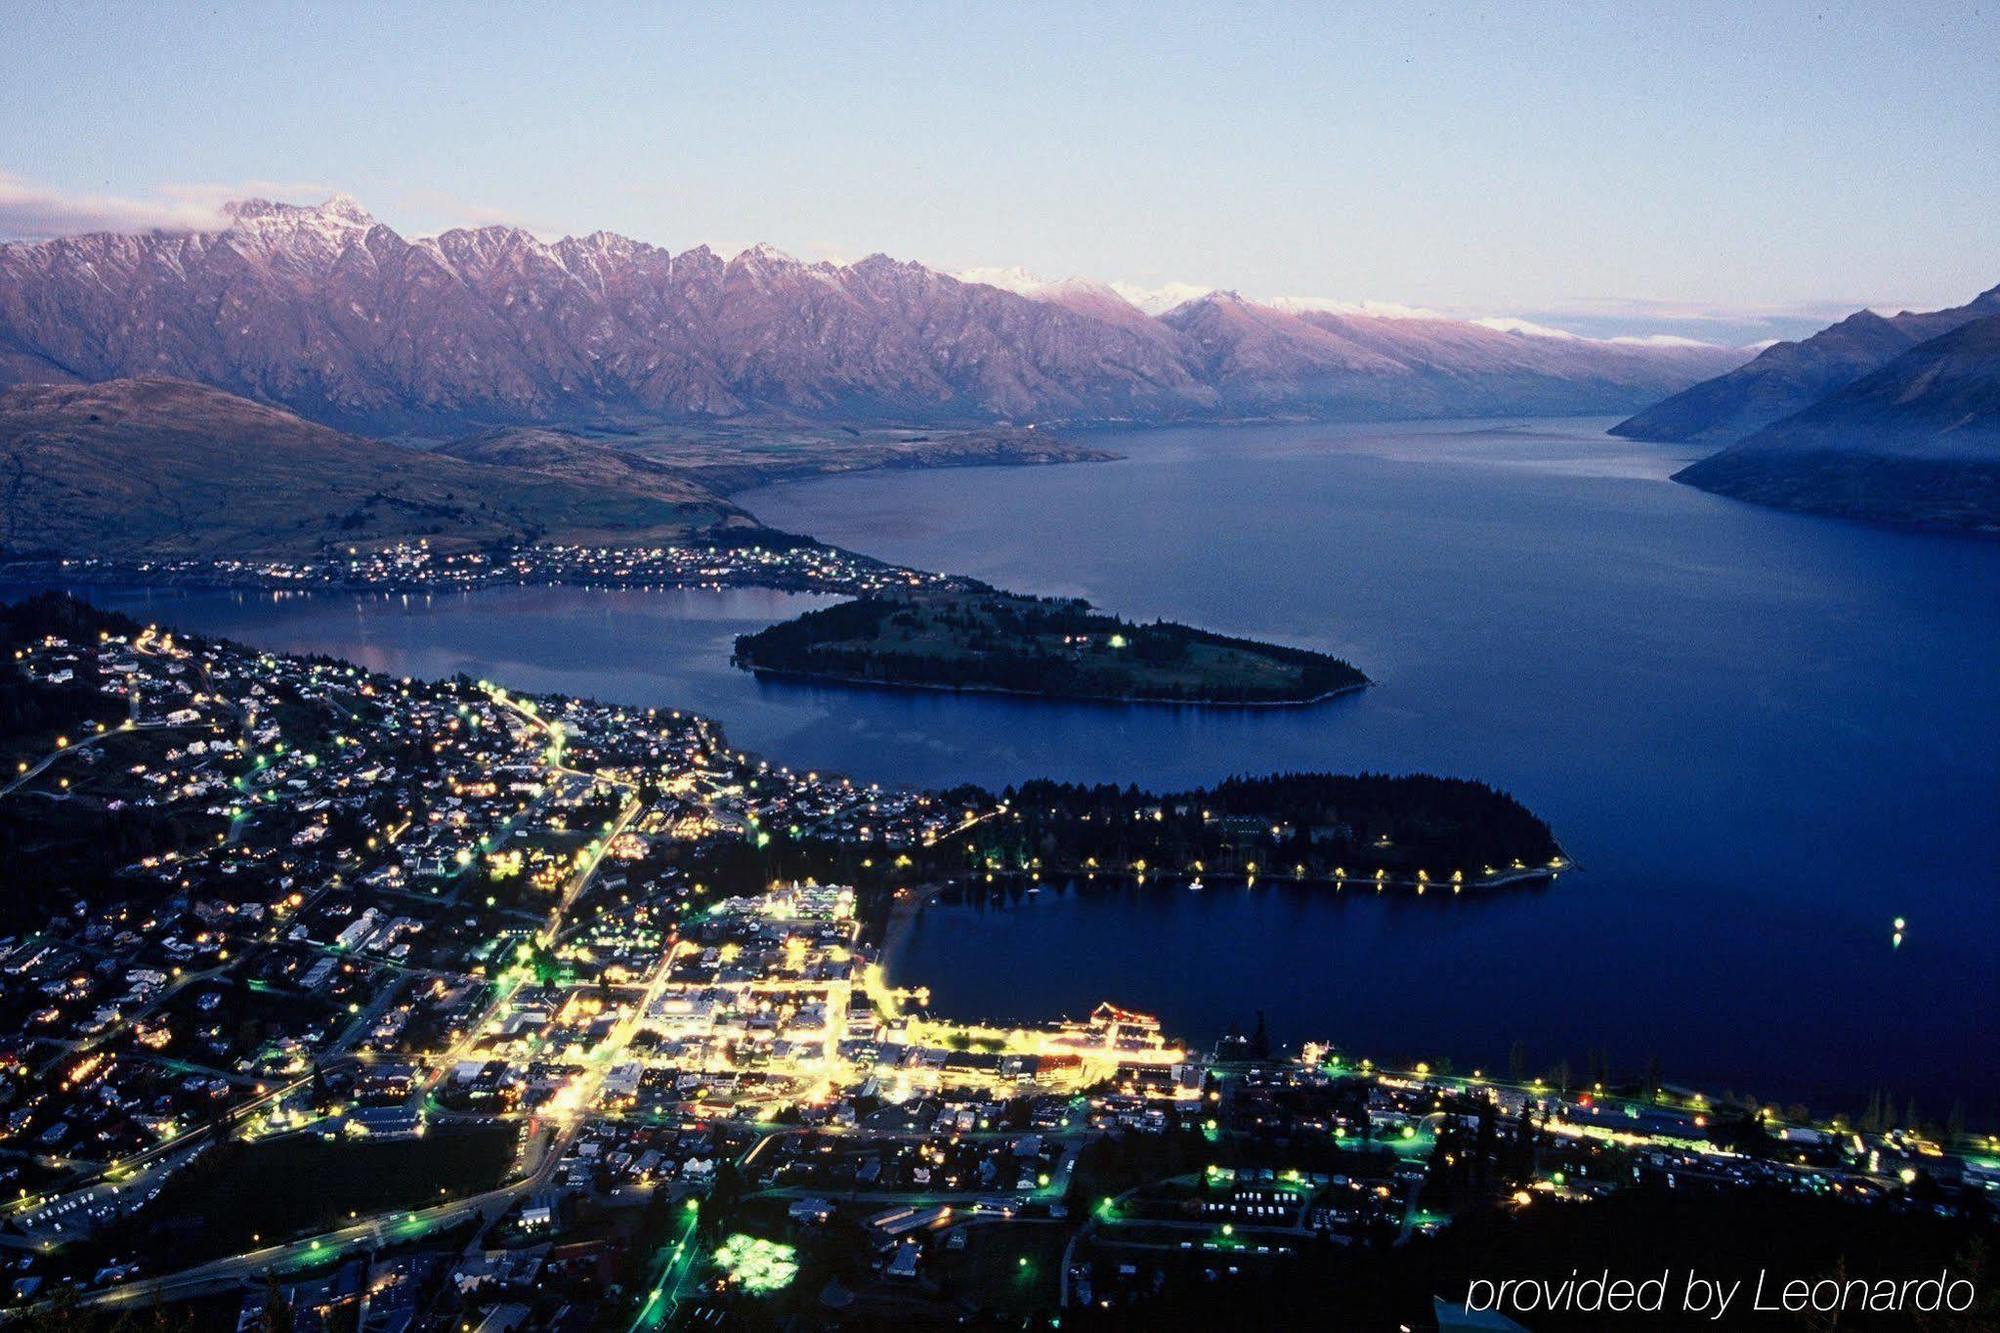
(1325, 362)
(1916, 442)
(327, 312)
(1788, 377)
(1261, 360)
(163, 468)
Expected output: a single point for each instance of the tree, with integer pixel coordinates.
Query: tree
(277, 1316)
(322, 1095)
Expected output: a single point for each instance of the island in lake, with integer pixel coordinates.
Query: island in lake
(1000, 642)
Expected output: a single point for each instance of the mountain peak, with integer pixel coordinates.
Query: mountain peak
(1012, 278)
(337, 210)
(347, 208)
(1216, 298)
(764, 253)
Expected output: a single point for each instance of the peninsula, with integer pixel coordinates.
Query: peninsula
(985, 640)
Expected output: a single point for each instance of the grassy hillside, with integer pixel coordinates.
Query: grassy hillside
(158, 467)
(585, 462)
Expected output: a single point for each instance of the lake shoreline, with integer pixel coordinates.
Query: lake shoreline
(1552, 615)
(863, 682)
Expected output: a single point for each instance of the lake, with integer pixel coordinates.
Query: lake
(1762, 737)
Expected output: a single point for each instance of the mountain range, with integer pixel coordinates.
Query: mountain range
(518, 360)
(1916, 442)
(1789, 377)
(327, 312)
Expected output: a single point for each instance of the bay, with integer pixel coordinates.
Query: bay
(1762, 737)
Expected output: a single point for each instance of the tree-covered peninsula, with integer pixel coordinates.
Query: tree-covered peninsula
(1051, 647)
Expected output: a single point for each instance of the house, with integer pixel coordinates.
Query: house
(385, 1122)
(903, 1264)
(811, 1212)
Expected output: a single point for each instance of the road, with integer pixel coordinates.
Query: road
(41, 765)
(665, 1297)
(133, 1171)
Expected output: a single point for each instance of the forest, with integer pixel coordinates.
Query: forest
(1052, 647)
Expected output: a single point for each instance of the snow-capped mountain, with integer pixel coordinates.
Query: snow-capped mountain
(334, 315)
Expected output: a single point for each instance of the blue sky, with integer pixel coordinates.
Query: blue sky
(1726, 171)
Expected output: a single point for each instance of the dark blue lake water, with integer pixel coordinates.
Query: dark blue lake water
(1763, 737)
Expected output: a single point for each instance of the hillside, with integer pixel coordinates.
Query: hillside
(328, 312)
(1789, 377)
(1916, 442)
(160, 467)
(586, 462)
(698, 465)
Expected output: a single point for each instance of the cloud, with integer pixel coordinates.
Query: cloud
(30, 210)
(1659, 340)
(1725, 324)
(1157, 300)
(1526, 327)
(1532, 329)
(1646, 310)
(1371, 309)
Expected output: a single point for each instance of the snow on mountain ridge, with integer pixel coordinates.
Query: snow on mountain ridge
(1159, 300)
(1367, 309)
(343, 319)
(1013, 279)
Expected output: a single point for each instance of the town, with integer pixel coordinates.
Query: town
(334, 1000)
(720, 558)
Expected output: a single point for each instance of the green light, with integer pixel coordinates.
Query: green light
(761, 1266)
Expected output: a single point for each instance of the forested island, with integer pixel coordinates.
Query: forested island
(1318, 824)
(1411, 832)
(1062, 648)
(1412, 829)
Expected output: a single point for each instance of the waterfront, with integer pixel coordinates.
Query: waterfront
(1762, 736)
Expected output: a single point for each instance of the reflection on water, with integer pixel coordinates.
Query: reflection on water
(1763, 736)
